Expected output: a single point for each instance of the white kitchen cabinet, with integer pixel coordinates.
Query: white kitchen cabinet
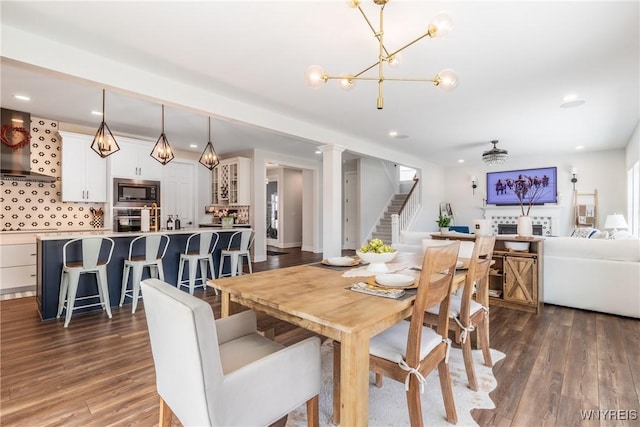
(133, 160)
(17, 266)
(84, 172)
(232, 182)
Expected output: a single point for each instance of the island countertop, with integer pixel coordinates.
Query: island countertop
(65, 235)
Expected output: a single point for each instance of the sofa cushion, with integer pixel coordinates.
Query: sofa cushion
(618, 250)
(584, 232)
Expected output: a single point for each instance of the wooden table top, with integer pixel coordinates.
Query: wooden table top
(317, 298)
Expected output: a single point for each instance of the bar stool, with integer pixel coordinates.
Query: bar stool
(202, 255)
(93, 261)
(154, 246)
(239, 246)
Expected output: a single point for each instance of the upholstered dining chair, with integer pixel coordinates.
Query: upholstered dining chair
(408, 351)
(222, 372)
(469, 314)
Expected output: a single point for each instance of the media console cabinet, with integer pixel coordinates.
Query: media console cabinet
(515, 278)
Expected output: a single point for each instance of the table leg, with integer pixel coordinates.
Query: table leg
(225, 304)
(354, 379)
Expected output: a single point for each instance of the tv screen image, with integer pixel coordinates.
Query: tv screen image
(502, 186)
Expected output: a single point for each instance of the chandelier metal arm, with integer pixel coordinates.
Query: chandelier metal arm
(376, 34)
(397, 79)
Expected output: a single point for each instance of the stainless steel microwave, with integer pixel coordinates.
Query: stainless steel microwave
(133, 192)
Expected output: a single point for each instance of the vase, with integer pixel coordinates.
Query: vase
(525, 226)
(444, 230)
(227, 222)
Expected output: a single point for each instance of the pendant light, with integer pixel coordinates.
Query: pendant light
(209, 158)
(162, 151)
(495, 156)
(104, 143)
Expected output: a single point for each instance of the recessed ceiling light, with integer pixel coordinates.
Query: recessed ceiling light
(393, 133)
(460, 160)
(193, 145)
(22, 97)
(579, 147)
(318, 152)
(96, 113)
(570, 101)
(17, 120)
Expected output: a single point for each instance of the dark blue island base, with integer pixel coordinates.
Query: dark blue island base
(49, 260)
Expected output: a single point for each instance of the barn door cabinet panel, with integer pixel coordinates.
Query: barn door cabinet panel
(231, 182)
(515, 277)
(84, 172)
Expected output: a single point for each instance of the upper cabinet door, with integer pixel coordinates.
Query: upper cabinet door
(84, 172)
(134, 161)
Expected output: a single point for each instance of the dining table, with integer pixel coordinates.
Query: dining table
(318, 297)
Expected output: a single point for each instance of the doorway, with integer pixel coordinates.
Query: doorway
(272, 211)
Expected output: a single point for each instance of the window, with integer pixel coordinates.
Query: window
(406, 174)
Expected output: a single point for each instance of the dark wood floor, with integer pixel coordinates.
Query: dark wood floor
(100, 372)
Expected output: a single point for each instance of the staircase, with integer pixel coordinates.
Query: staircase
(383, 229)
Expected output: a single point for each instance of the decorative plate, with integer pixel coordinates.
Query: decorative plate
(394, 280)
(341, 261)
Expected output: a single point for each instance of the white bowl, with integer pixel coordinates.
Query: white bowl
(392, 280)
(517, 246)
(376, 261)
(340, 261)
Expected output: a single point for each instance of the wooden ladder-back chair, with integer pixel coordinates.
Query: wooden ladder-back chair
(408, 351)
(469, 314)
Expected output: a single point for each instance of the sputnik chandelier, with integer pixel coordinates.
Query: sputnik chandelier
(440, 26)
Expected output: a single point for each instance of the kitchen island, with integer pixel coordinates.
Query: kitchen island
(49, 263)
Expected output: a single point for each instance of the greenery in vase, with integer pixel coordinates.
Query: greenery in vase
(376, 246)
(443, 221)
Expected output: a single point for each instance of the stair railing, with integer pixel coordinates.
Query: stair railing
(409, 207)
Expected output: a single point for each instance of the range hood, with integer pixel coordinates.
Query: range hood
(15, 156)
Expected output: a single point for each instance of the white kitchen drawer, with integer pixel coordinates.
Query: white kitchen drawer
(17, 277)
(17, 255)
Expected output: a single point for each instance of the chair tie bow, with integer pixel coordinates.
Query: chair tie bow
(412, 371)
(465, 329)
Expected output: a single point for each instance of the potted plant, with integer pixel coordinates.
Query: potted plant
(444, 221)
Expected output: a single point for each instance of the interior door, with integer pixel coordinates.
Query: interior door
(350, 226)
(177, 193)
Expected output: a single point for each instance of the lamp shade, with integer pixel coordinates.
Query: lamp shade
(615, 221)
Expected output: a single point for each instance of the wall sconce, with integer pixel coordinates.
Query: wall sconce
(474, 183)
(574, 178)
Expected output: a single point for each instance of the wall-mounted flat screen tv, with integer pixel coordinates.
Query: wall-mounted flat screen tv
(502, 187)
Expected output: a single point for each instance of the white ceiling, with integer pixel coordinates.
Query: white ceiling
(515, 60)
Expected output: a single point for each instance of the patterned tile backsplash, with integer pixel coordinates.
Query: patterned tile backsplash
(38, 205)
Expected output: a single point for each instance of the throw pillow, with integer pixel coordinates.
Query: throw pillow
(600, 235)
(584, 233)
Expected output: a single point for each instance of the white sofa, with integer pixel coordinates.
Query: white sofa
(593, 274)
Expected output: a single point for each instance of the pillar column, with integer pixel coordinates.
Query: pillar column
(331, 200)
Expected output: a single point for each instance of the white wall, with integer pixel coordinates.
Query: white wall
(632, 152)
(601, 170)
(378, 184)
(432, 180)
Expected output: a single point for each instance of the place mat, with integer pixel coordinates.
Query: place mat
(362, 271)
(330, 267)
(374, 290)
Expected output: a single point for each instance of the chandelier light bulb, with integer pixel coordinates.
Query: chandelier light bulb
(353, 3)
(395, 60)
(446, 80)
(315, 76)
(440, 25)
(347, 82)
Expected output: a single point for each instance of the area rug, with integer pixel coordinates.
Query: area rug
(388, 404)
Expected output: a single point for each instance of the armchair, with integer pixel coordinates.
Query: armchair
(222, 372)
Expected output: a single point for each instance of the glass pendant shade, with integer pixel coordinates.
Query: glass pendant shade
(162, 151)
(315, 76)
(104, 142)
(495, 156)
(209, 159)
(441, 25)
(447, 80)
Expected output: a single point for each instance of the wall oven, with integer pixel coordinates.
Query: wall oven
(129, 198)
